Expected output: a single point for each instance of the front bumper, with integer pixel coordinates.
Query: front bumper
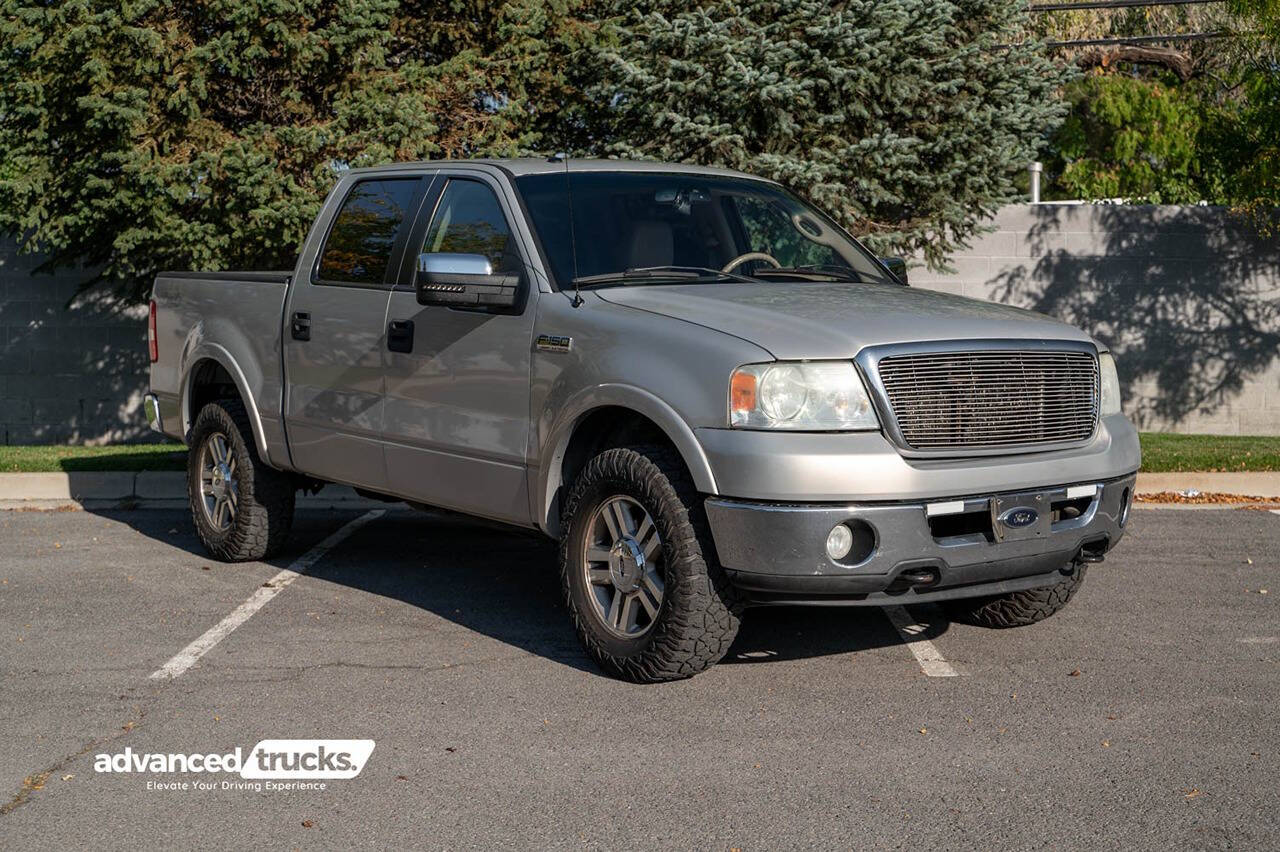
(919, 550)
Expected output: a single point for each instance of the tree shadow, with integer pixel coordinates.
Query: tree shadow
(1188, 299)
(73, 364)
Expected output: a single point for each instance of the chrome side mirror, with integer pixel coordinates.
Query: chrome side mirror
(463, 280)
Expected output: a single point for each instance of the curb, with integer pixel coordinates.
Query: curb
(1258, 484)
(166, 489)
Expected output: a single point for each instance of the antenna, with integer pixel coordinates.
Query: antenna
(573, 239)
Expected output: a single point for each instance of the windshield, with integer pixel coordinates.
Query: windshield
(685, 223)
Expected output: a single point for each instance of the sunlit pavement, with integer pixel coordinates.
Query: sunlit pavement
(1145, 715)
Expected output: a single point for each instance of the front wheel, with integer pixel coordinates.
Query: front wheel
(648, 598)
(1018, 609)
(242, 509)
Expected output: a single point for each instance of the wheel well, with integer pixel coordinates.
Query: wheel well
(599, 430)
(209, 381)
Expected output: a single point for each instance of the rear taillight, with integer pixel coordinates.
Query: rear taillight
(153, 342)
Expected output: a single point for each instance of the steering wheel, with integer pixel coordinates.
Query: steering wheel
(751, 255)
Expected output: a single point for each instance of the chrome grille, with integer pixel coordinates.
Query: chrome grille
(991, 399)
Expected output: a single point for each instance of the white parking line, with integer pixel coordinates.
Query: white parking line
(926, 653)
(1275, 511)
(188, 656)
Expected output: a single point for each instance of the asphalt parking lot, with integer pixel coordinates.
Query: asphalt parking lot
(1145, 715)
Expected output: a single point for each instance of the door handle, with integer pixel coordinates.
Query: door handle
(400, 335)
(300, 325)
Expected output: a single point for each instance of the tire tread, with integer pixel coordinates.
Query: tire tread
(702, 610)
(264, 513)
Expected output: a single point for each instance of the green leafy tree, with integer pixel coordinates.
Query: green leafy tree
(905, 118)
(1131, 138)
(141, 135)
(1175, 123)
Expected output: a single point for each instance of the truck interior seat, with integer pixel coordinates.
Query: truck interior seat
(652, 244)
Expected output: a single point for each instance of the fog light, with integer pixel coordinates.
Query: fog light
(839, 542)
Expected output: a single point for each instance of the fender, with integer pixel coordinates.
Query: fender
(193, 354)
(622, 396)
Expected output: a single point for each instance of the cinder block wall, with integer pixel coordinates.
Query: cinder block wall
(71, 370)
(1188, 298)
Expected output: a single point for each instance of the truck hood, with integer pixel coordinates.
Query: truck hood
(835, 320)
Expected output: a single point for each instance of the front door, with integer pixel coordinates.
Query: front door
(457, 402)
(335, 336)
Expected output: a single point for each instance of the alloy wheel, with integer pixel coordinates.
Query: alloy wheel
(623, 565)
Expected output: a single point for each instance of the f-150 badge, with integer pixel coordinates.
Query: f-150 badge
(554, 343)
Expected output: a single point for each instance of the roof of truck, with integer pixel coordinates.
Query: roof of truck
(518, 167)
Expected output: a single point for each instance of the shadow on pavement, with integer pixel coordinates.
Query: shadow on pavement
(504, 583)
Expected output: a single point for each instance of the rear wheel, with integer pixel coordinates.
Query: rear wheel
(1018, 609)
(242, 508)
(648, 598)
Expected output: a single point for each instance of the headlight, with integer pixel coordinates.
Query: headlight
(1110, 402)
(817, 396)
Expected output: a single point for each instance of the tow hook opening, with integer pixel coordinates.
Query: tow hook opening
(1093, 551)
(913, 578)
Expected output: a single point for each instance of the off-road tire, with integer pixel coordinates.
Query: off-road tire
(1017, 609)
(264, 514)
(700, 610)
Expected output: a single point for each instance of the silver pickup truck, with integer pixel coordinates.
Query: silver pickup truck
(705, 389)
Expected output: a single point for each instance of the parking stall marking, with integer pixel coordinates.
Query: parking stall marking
(931, 661)
(188, 656)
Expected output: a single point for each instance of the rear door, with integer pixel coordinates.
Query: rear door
(457, 394)
(335, 333)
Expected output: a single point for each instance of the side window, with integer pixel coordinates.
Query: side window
(469, 220)
(359, 245)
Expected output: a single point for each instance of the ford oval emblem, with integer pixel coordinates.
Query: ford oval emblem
(1019, 516)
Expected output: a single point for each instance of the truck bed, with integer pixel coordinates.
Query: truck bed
(233, 319)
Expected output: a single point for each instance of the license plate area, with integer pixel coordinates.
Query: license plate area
(1018, 517)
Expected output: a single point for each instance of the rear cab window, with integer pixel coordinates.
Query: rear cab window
(362, 238)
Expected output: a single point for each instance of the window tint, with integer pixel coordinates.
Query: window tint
(360, 241)
(468, 220)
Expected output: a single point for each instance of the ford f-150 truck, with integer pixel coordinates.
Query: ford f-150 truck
(703, 387)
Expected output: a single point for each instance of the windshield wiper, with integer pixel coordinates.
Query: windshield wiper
(683, 274)
(827, 270)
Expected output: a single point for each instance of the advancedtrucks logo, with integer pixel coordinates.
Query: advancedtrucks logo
(269, 759)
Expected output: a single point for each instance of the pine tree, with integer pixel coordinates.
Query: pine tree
(907, 119)
(144, 135)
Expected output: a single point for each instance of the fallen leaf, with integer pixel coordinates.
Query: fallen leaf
(1193, 793)
(1262, 591)
(306, 823)
(1106, 743)
(67, 777)
(1074, 673)
(1248, 562)
(924, 730)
